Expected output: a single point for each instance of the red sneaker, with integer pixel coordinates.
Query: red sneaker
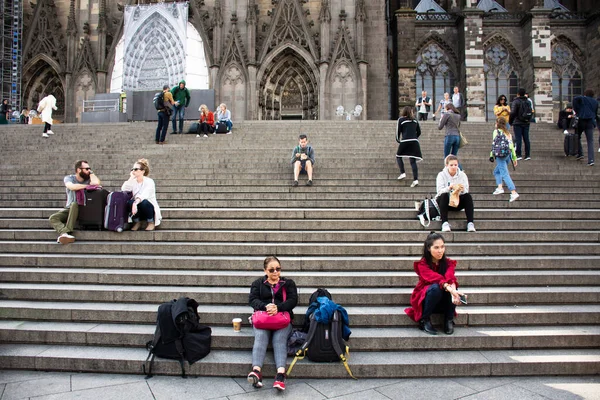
(279, 383)
(255, 378)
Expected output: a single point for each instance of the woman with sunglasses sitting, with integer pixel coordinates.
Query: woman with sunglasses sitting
(502, 109)
(271, 293)
(143, 205)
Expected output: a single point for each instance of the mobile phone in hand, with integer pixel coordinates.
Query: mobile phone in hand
(463, 299)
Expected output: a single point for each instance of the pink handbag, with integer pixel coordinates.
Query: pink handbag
(262, 320)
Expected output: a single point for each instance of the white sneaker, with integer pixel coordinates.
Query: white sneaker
(471, 227)
(498, 191)
(566, 132)
(446, 227)
(50, 133)
(65, 238)
(45, 135)
(205, 135)
(402, 176)
(527, 158)
(519, 158)
(197, 135)
(415, 183)
(513, 197)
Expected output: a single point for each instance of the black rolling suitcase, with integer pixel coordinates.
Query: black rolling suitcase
(91, 215)
(571, 144)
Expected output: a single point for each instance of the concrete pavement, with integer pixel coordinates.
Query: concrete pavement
(40, 385)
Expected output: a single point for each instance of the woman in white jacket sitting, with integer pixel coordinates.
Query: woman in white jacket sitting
(453, 186)
(143, 205)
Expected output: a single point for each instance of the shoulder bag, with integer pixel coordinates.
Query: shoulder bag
(262, 320)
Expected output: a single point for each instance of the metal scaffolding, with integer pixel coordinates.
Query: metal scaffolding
(11, 51)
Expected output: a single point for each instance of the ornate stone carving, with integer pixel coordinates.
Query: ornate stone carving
(85, 59)
(361, 11)
(289, 24)
(325, 13)
(45, 34)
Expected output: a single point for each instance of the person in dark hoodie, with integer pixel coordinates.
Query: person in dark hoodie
(586, 109)
(181, 95)
(565, 117)
(520, 124)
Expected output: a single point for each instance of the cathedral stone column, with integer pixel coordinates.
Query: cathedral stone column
(407, 86)
(252, 97)
(541, 52)
(475, 78)
(363, 65)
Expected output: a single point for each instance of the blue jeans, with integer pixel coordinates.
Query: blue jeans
(522, 135)
(261, 341)
(145, 211)
(178, 110)
(501, 172)
(163, 124)
(451, 143)
(587, 126)
(438, 301)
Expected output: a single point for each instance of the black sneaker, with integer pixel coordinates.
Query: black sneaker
(255, 378)
(295, 183)
(580, 157)
(279, 383)
(309, 183)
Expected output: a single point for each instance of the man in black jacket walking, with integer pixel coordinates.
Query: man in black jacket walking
(519, 119)
(586, 109)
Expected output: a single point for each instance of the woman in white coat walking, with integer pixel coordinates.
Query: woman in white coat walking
(47, 104)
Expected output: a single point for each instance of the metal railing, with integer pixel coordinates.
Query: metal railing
(100, 105)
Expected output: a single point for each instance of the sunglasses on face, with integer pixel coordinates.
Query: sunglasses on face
(86, 169)
(272, 270)
(136, 169)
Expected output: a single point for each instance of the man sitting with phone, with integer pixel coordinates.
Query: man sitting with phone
(303, 160)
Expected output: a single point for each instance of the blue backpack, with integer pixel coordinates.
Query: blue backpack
(500, 145)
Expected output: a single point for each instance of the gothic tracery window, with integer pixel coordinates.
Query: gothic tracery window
(501, 77)
(434, 73)
(566, 75)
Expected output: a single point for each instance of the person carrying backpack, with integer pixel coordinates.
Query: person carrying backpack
(163, 106)
(520, 118)
(271, 294)
(503, 151)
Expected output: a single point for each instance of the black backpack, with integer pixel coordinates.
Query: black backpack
(178, 335)
(159, 101)
(525, 111)
(324, 342)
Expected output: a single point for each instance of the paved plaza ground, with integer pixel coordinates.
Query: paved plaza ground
(65, 386)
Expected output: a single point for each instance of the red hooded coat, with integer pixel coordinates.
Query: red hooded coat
(428, 276)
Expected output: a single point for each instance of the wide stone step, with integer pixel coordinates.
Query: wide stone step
(177, 248)
(309, 278)
(328, 224)
(305, 213)
(380, 296)
(362, 339)
(298, 202)
(363, 364)
(307, 236)
(360, 316)
(342, 264)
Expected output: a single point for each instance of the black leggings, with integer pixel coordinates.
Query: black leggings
(465, 202)
(47, 127)
(413, 165)
(205, 128)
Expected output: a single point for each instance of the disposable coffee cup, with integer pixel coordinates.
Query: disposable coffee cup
(237, 324)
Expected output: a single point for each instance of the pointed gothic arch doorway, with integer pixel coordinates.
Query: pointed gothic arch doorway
(41, 79)
(288, 89)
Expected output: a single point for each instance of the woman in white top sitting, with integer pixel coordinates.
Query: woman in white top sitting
(224, 115)
(143, 205)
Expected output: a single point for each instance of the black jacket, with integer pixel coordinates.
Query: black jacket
(260, 295)
(564, 122)
(515, 111)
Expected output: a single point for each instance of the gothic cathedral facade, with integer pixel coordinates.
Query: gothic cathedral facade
(302, 59)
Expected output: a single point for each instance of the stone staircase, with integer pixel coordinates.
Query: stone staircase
(532, 271)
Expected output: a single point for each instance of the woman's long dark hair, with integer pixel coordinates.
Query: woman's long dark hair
(500, 98)
(407, 112)
(431, 238)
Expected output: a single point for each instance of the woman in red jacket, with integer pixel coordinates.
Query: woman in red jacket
(436, 291)
(207, 121)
